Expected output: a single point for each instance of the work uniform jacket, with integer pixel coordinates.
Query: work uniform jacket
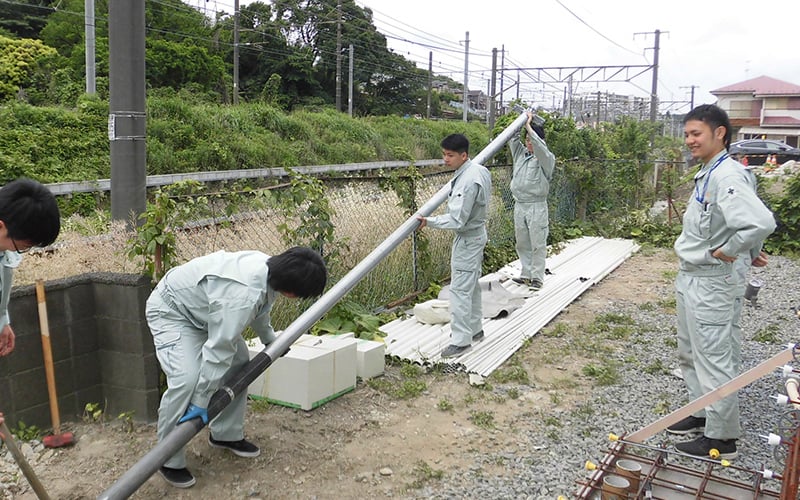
(724, 212)
(531, 174)
(8, 262)
(221, 294)
(468, 203)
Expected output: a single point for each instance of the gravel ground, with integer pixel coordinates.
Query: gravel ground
(549, 464)
(370, 445)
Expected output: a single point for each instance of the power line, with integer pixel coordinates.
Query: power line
(594, 29)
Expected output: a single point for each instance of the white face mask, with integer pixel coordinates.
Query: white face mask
(10, 258)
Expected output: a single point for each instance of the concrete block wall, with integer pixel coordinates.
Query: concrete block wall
(102, 350)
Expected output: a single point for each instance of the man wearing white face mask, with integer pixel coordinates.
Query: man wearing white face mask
(29, 217)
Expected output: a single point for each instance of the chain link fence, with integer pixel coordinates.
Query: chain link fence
(363, 214)
(364, 210)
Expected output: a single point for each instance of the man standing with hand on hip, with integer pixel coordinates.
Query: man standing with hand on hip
(724, 219)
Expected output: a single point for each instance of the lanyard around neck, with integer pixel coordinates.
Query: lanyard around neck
(701, 197)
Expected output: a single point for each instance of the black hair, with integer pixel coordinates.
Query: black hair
(456, 142)
(299, 271)
(539, 131)
(714, 117)
(30, 212)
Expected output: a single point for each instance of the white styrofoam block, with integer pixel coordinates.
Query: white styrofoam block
(298, 378)
(344, 361)
(370, 358)
(256, 387)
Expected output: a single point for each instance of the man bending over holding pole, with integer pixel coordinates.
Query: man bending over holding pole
(196, 314)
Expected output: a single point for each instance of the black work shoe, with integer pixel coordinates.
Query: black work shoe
(452, 351)
(522, 281)
(179, 478)
(478, 336)
(242, 448)
(688, 425)
(704, 446)
(536, 284)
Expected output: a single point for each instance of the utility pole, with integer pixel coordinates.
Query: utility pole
(654, 87)
(88, 29)
(691, 101)
(236, 52)
(502, 72)
(339, 55)
(569, 96)
(492, 89)
(466, 76)
(126, 115)
(597, 118)
(430, 85)
(350, 85)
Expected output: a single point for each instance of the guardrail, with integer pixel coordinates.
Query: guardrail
(64, 188)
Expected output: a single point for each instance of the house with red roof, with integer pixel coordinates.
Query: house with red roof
(762, 107)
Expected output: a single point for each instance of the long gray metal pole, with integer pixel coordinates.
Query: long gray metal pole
(129, 482)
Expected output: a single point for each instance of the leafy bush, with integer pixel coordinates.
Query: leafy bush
(785, 204)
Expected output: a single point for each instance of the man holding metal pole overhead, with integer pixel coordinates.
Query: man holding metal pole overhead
(530, 185)
(467, 209)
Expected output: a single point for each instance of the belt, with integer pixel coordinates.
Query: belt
(721, 270)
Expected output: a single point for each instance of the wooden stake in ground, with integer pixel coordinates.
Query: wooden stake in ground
(26, 468)
(57, 439)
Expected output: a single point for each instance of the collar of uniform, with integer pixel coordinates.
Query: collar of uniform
(705, 167)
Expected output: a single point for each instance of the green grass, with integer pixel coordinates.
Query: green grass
(445, 405)
(514, 372)
(604, 374)
(482, 419)
(423, 474)
(770, 334)
(559, 330)
(656, 368)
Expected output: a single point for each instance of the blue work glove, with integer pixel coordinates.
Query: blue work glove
(193, 412)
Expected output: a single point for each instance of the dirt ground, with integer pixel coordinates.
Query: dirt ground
(366, 444)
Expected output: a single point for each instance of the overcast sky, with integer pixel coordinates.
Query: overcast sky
(702, 43)
(708, 44)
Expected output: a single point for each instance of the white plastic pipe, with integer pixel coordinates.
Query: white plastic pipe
(793, 391)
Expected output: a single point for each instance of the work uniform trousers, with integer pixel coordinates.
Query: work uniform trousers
(531, 225)
(741, 266)
(179, 348)
(708, 348)
(466, 313)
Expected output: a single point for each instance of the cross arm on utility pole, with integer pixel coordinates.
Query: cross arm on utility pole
(563, 74)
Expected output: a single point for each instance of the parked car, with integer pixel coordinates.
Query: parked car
(757, 150)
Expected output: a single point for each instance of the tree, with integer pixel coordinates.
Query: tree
(175, 64)
(19, 61)
(24, 18)
(393, 88)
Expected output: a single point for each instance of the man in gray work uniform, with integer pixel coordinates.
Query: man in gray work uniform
(197, 314)
(467, 209)
(530, 185)
(723, 220)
